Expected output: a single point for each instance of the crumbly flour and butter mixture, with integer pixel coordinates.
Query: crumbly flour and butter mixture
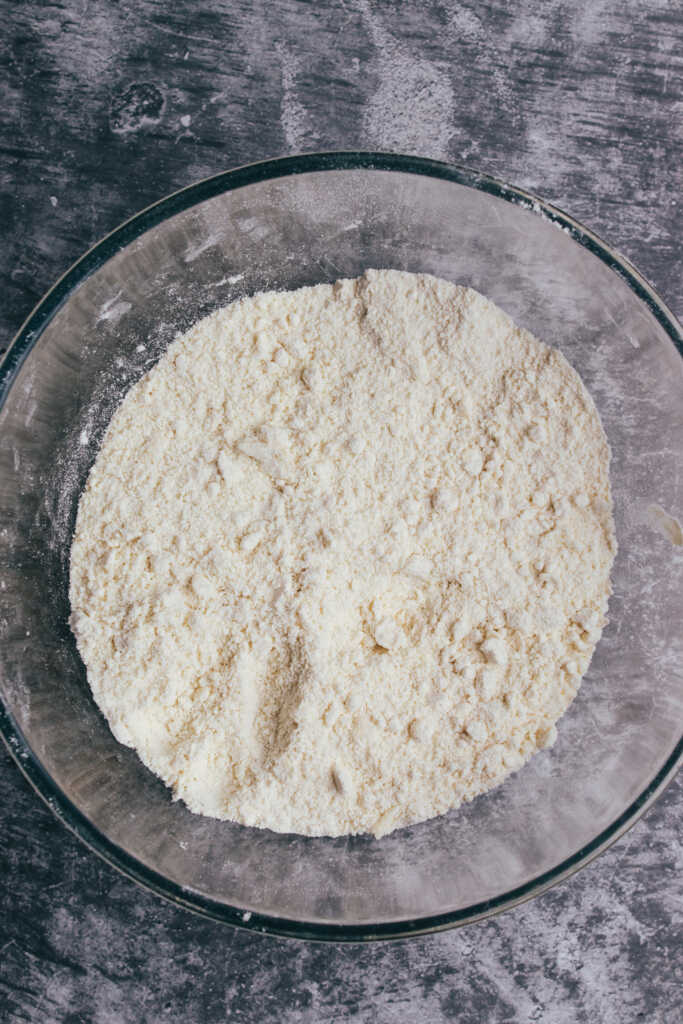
(344, 555)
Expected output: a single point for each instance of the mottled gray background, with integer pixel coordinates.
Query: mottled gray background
(105, 107)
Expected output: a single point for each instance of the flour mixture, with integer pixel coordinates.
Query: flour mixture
(344, 555)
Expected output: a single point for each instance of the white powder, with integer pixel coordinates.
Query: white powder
(344, 555)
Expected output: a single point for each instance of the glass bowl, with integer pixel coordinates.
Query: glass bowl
(283, 224)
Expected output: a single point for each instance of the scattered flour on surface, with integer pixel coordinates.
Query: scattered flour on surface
(344, 555)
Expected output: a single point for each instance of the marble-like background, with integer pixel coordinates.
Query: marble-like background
(105, 107)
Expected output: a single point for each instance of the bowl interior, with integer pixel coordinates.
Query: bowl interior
(284, 232)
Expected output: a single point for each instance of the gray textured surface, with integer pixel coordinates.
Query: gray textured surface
(106, 108)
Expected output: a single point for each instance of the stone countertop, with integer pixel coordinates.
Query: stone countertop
(107, 107)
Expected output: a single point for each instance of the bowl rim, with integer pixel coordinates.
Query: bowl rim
(27, 336)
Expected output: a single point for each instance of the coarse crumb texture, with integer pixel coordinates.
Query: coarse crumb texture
(344, 555)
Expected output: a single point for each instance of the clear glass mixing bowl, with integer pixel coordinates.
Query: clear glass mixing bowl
(284, 224)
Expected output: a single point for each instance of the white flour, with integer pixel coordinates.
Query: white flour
(344, 555)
